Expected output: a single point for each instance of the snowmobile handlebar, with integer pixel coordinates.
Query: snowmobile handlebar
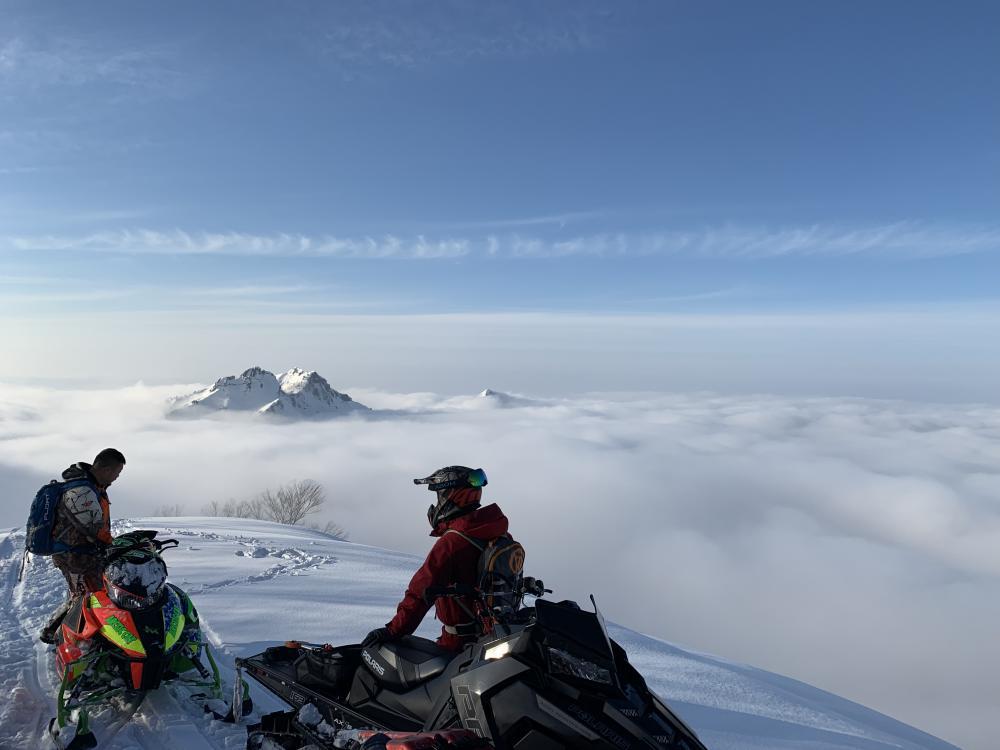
(142, 539)
(534, 586)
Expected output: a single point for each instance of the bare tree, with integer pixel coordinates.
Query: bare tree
(169, 510)
(253, 508)
(292, 502)
(289, 504)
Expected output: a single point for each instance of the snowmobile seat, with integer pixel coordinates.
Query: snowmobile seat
(410, 661)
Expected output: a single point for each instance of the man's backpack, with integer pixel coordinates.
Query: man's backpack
(500, 573)
(42, 518)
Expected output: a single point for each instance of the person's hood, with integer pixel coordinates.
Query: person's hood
(80, 470)
(483, 523)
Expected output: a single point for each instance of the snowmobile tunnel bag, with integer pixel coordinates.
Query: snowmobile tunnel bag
(328, 669)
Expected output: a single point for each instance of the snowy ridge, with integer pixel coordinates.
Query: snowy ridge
(296, 394)
(501, 400)
(257, 583)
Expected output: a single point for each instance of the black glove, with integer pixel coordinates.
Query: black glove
(378, 635)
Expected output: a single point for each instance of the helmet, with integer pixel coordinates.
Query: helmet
(459, 490)
(135, 579)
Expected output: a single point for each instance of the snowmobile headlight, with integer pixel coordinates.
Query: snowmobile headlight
(497, 652)
(563, 662)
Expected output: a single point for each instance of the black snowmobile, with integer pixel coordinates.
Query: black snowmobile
(547, 677)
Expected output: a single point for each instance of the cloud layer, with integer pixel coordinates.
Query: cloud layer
(849, 543)
(902, 240)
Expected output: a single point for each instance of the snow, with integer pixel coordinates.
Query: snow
(257, 583)
(296, 394)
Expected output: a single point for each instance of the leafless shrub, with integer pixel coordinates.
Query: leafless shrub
(292, 502)
(253, 508)
(289, 504)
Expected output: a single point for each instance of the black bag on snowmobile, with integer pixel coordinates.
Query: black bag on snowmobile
(324, 667)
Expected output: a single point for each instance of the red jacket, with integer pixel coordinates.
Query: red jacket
(452, 559)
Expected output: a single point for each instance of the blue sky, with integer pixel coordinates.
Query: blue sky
(297, 163)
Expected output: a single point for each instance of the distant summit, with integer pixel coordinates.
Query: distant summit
(296, 394)
(497, 399)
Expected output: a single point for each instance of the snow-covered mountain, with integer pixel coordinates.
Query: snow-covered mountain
(257, 583)
(296, 394)
(486, 400)
(501, 400)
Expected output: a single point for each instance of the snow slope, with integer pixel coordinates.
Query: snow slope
(256, 583)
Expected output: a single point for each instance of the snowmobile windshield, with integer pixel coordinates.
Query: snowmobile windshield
(576, 643)
(127, 600)
(135, 583)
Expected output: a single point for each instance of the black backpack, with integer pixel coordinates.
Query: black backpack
(500, 572)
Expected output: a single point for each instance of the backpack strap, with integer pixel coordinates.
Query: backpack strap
(471, 540)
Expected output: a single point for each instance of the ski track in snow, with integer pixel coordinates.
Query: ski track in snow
(301, 561)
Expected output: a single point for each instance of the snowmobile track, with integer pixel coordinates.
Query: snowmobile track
(22, 673)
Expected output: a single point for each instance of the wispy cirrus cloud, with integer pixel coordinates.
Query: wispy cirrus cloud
(18, 299)
(18, 170)
(177, 242)
(23, 293)
(251, 290)
(897, 240)
(559, 220)
(902, 240)
(32, 62)
(402, 35)
(31, 279)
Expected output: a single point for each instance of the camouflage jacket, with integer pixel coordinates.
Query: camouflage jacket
(84, 513)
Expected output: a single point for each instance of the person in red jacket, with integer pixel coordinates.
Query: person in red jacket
(452, 560)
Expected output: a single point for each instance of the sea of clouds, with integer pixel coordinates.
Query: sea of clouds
(851, 543)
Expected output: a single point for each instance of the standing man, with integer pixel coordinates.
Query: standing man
(83, 521)
(456, 519)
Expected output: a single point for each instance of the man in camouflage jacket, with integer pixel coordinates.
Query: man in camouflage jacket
(83, 521)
